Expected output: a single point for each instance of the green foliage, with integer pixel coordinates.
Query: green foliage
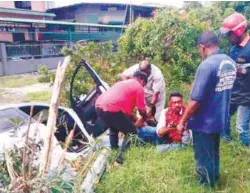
(45, 75)
(164, 41)
(190, 5)
(239, 6)
(101, 59)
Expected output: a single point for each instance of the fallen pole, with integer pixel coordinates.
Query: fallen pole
(95, 172)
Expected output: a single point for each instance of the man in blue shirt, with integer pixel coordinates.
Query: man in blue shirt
(234, 27)
(208, 107)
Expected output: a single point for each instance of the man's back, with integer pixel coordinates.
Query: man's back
(212, 88)
(123, 96)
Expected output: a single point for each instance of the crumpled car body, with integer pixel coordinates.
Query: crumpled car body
(14, 120)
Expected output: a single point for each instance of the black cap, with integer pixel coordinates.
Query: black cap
(208, 38)
(141, 75)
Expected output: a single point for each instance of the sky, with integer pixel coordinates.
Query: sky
(178, 3)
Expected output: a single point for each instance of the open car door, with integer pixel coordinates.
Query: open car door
(85, 87)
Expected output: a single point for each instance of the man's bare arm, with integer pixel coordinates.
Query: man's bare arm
(163, 131)
(155, 98)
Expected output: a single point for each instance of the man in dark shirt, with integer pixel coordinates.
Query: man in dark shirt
(234, 27)
(208, 107)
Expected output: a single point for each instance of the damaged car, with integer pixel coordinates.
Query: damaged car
(15, 119)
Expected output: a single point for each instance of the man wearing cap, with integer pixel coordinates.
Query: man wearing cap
(208, 108)
(116, 105)
(234, 27)
(155, 87)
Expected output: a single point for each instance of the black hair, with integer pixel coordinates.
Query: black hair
(208, 38)
(175, 94)
(141, 75)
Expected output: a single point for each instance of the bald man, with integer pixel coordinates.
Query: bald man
(155, 87)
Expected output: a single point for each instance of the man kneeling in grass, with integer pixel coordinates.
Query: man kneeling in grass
(166, 135)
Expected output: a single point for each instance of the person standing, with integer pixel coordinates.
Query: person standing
(207, 111)
(115, 107)
(234, 27)
(155, 87)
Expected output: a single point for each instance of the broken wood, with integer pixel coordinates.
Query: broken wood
(95, 172)
(53, 110)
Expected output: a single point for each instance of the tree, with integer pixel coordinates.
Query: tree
(189, 5)
(239, 6)
(168, 40)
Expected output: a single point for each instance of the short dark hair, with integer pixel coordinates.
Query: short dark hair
(175, 94)
(208, 38)
(141, 75)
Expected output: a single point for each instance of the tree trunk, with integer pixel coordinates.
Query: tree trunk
(51, 124)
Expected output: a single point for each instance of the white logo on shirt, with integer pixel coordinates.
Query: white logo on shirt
(226, 76)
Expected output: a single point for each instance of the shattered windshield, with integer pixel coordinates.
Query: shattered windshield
(12, 118)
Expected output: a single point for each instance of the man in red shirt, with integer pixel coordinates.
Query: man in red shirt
(115, 107)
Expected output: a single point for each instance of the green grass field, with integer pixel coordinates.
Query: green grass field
(147, 171)
(39, 96)
(18, 81)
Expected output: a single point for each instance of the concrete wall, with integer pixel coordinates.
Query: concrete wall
(7, 4)
(35, 5)
(38, 6)
(6, 36)
(26, 66)
(15, 15)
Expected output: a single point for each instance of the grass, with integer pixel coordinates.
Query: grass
(39, 96)
(146, 170)
(18, 81)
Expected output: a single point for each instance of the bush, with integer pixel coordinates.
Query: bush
(45, 75)
(164, 41)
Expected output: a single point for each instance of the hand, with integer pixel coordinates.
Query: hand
(140, 123)
(241, 71)
(180, 127)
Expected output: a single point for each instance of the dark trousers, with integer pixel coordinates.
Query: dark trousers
(207, 156)
(226, 134)
(118, 122)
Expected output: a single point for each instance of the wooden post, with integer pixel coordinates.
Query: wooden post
(51, 124)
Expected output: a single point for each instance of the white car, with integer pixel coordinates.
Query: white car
(14, 121)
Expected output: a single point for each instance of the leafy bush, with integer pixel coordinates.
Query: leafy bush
(168, 40)
(46, 76)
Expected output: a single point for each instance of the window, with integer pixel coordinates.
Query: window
(23, 4)
(12, 117)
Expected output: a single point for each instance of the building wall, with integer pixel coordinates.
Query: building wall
(14, 15)
(6, 36)
(94, 14)
(35, 5)
(27, 66)
(38, 6)
(7, 4)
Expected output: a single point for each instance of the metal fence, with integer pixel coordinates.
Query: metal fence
(34, 51)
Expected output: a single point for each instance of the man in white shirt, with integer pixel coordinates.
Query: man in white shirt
(155, 87)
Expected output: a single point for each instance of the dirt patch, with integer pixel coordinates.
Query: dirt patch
(17, 95)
